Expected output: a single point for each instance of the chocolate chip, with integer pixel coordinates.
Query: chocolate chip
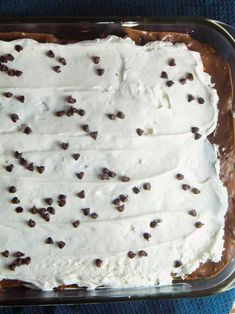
(61, 244)
(120, 115)
(12, 266)
(8, 94)
(189, 76)
(71, 100)
(99, 72)
(19, 209)
(34, 210)
(139, 131)
(94, 215)
(147, 236)
(105, 170)
(195, 191)
(125, 178)
(27, 130)
(64, 146)
(120, 208)
(154, 223)
(9, 168)
(171, 62)
(57, 69)
(20, 98)
(19, 261)
(86, 211)
(62, 61)
(104, 176)
(112, 174)
(177, 263)
(11, 72)
(147, 186)
(170, 83)
(42, 211)
(18, 48)
(30, 167)
(51, 210)
(14, 117)
(3, 68)
(27, 260)
(85, 127)
(142, 253)
(23, 162)
(76, 223)
(182, 81)
(3, 59)
(31, 223)
(60, 113)
(185, 187)
(17, 154)
(123, 197)
(164, 75)
(193, 212)
(197, 136)
(49, 240)
(46, 217)
(111, 116)
(62, 203)
(131, 254)
(76, 156)
(70, 112)
(94, 135)
(18, 254)
(62, 197)
(80, 175)
(81, 194)
(49, 200)
(5, 253)
(12, 189)
(199, 224)
(179, 176)
(98, 262)
(50, 54)
(190, 97)
(40, 169)
(194, 129)
(136, 190)
(200, 100)
(95, 59)
(116, 201)
(81, 112)
(18, 73)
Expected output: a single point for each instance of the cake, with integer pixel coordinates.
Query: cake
(110, 170)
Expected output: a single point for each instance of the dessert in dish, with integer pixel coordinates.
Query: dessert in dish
(108, 177)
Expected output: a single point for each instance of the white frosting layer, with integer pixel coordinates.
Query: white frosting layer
(132, 84)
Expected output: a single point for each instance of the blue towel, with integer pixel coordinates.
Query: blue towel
(223, 10)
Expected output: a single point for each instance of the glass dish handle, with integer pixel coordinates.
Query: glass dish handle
(228, 28)
(231, 285)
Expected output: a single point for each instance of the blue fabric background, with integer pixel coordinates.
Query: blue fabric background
(223, 10)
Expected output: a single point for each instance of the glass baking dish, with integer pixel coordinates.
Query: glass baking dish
(218, 35)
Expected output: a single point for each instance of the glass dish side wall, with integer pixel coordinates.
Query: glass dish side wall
(70, 29)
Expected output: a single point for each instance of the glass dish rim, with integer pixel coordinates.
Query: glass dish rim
(223, 286)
